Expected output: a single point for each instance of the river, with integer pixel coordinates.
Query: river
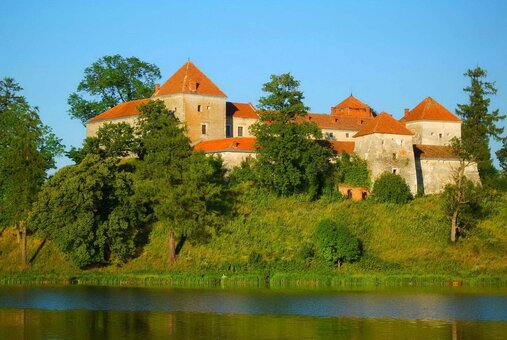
(88, 312)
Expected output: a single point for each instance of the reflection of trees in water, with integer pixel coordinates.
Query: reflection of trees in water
(82, 324)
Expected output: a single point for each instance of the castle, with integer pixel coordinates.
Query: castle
(414, 147)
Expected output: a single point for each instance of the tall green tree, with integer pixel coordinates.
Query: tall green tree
(289, 159)
(479, 123)
(27, 151)
(109, 81)
(185, 189)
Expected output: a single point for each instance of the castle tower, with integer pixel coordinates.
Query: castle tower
(197, 101)
(387, 146)
(432, 123)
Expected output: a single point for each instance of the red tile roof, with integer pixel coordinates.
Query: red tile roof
(384, 123)
(434, 151)
(241, 110)
(339, 147)
(352, 106)
(430, 109)
(325, 121)
(121, 110)
(244, 144)
(189, 79)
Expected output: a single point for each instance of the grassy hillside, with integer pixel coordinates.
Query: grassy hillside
(267, 238)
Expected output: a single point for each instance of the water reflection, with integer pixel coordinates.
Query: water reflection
(85, 324)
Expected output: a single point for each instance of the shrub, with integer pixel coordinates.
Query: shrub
(391, 188)
(335, 243)
(353, 170)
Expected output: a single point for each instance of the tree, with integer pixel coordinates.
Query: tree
(501, 154)
(460, 198)
(479, 124)
(391, 188)
(89, 211)
(289, 159)
(27, 151)
(335, 243)
(112, 140)
(184, 188)
(110, 81)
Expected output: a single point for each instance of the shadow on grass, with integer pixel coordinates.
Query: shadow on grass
(39, 248)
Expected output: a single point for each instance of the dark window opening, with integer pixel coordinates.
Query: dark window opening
(197, 86)
(394, 171)
(364, 194)
(203, 128)
(394, 156)
(240, 131)
(349, 194)
(228, 131)
(199, 108)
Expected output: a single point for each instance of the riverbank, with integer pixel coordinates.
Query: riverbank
(267, 244)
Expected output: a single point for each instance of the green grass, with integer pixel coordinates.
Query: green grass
(403, 245)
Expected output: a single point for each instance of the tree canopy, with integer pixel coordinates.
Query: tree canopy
(289, 159)
(479, 123)
(89, 211)
(109, 81)
(335, 243)
(391, 188)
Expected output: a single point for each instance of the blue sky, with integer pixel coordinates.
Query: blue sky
(389, 54)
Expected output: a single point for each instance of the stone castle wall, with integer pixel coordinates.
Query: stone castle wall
(434, 132)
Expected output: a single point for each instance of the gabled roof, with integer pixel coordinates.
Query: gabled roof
(384, 123)
(325, 121)
(189, 79)
(121, 110)
(424, 151)
(352, 102)
(241, 110)
(238, 144)
(430, 109)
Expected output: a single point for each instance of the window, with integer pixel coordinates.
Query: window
(240, 131)
(439, 135)
(197, 86)
(228, 131)
(395, 171)
(329, 135)
(394, 156)
(347, 135)
(199, 108)
(349, 194)
(204, 128)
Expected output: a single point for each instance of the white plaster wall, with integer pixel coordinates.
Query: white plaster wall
(434, 132)
(93, 127)
(234, 158)
(340, 135)
(437, 173)
(378, 149)
(245, 123)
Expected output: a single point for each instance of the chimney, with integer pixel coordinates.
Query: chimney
(157, 87)
(406, 111)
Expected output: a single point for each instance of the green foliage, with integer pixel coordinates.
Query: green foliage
(289, 160)
(185, 189)
(89, 211)
(112, 140)
(109, 81)
(335, 243)
(391, 188)
(27, 151)
(478, 122)
(353, 170)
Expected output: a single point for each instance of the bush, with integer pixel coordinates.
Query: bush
(391, 188)
(335, 243)
(353, 170)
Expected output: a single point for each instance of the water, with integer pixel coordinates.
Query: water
(80, 312)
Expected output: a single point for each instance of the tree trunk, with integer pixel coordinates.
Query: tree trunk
(454, 226)
(23, 245)
(172, 247)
